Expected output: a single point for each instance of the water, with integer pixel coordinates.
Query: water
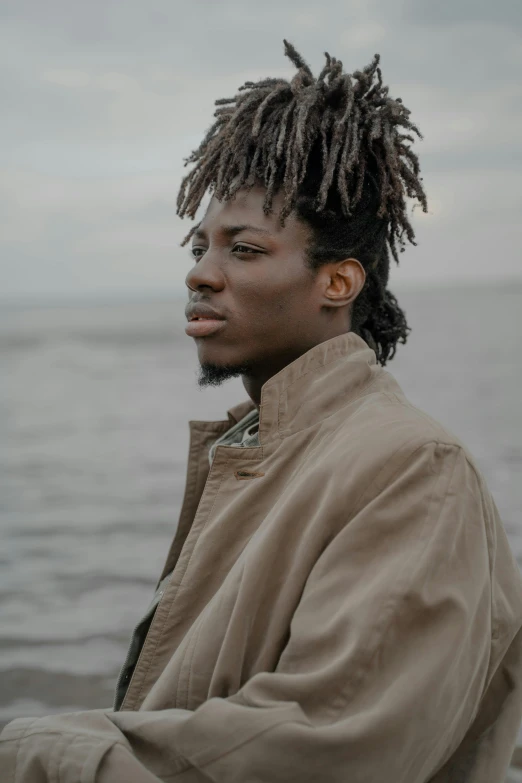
(94, 405)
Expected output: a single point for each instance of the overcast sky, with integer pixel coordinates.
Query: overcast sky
(102, 99)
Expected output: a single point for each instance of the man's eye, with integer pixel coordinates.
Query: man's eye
(197, 252)
(245, 249)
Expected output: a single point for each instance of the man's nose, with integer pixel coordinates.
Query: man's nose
(206, 273)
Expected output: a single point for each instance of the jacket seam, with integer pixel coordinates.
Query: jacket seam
(244, 742)
(95, 735)
(487, 514)
(191, 650)
(405, 403)
(407, 457)
(176, 766)
(489, 539)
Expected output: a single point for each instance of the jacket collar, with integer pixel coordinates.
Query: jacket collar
(312, 387)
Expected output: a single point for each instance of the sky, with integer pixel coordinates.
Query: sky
(102, 100)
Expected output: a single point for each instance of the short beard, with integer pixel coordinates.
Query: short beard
(215, 374)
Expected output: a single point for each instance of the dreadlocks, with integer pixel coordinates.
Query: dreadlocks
(338, 148)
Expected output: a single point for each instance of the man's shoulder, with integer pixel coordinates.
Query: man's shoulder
(385, 425)
(387, 441)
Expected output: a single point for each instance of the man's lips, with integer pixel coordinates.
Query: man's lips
(204, 326)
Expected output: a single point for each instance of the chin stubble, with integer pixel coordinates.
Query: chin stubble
(215, 374)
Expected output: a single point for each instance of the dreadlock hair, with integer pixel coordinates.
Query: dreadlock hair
(337, 146)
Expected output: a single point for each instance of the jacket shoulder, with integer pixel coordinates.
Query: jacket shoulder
(387, 426)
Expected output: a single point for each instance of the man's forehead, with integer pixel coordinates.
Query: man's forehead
(245, 212)
(246, 202)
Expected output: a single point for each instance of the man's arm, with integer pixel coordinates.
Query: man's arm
(382, 675)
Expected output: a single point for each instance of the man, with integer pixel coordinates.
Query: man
(340, 602)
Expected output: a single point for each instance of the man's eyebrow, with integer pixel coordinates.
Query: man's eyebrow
(230, 231)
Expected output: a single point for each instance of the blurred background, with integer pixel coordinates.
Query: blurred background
(101, 103)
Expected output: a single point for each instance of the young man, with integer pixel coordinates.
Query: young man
(340, 602)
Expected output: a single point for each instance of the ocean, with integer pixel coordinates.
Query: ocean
(94, 407)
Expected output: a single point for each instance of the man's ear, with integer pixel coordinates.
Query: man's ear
(344, 281)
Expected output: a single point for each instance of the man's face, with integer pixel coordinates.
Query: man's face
(253, 273)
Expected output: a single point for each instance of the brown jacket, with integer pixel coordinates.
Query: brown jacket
(344, 607)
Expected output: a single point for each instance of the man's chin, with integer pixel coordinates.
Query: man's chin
(215, 374)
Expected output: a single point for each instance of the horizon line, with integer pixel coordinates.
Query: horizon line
(159, 295)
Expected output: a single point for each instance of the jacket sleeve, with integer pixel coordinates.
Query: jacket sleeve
(380, 679)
